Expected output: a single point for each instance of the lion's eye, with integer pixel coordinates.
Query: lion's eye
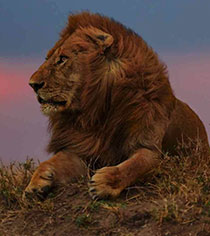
(62, 59)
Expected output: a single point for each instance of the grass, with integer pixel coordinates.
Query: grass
(178, 192)
(183, 190)
(83, 220)
(13, 179)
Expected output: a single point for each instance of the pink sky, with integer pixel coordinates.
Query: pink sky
(23, 127)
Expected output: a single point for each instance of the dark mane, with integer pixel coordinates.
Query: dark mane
(124, 89)
(86, 19)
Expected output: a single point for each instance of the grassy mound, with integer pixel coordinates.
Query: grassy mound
(175, 200)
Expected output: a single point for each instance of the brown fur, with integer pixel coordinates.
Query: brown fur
(120, 109)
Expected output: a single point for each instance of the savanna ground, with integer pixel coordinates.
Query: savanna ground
(175, 200)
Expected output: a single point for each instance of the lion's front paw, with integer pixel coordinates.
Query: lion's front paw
(105, 183)
(41, 182)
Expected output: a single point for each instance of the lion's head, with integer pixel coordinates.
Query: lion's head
(60, 80)
(96, 64)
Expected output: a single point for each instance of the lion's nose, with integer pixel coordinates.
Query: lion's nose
(36, 86)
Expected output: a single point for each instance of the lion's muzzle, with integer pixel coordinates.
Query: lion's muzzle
(36, 86)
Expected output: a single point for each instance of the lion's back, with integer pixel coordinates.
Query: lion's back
(185, 128)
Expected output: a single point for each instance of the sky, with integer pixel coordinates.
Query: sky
(177, 31)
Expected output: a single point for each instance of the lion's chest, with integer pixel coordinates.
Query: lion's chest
(90, 145)
(95, 146)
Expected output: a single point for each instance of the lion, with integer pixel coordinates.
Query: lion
(109, 102)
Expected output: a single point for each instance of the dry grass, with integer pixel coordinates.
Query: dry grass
(13, 179)
(177, 193)
(182, 188)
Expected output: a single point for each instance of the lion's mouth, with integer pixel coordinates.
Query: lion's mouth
(51, 102)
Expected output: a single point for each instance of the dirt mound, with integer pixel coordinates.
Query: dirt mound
(173, 201)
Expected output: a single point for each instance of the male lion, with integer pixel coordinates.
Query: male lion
(109, 103)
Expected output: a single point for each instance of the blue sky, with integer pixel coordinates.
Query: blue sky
(30, 27)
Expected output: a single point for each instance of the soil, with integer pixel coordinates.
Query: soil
(70, 211)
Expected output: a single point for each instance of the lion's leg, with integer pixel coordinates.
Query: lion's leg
(110, 181)
(61, 168)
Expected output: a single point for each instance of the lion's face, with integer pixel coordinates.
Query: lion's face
(59, 80)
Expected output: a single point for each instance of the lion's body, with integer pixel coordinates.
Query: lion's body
(110, 103)
(185, 127)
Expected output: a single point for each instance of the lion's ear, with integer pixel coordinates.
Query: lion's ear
(99, 37)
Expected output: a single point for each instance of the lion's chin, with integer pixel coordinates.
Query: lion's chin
(50, 109)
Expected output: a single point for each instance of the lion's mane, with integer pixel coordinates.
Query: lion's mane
(126, 100)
